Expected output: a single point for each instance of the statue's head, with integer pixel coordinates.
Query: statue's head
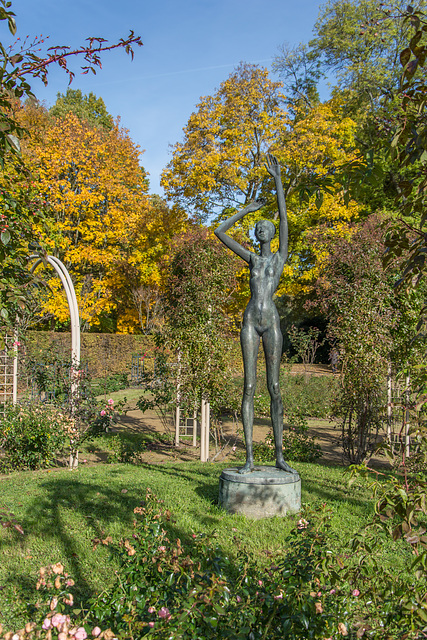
(264, 231)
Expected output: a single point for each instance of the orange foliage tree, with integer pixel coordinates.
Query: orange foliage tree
(94, 193)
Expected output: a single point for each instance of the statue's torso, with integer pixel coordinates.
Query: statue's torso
(264, 278)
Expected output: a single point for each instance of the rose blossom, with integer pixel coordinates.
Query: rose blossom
(164, 613)
(58, 619)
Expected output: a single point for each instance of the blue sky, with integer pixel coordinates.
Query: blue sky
(190, 47)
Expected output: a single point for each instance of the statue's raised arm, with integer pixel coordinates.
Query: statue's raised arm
(232, 244)
(273, 169)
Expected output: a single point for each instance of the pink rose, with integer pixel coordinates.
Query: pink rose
(110, 402)
(151, 624)
(96, 631)
(164, 613)
(151, 609)
(46, 624)
(103, 412)
(355, 593)
(58, 619)
(80, 634)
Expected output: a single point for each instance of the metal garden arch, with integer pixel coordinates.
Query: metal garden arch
(74, 313)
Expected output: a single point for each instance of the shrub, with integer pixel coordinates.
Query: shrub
(122, 449)
(313, 395)
(109, 384)
(163, 591)
(297, 446)
(31, 436)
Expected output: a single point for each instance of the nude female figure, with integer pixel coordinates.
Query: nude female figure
(261, 319)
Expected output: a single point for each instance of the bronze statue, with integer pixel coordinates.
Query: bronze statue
(261, 318)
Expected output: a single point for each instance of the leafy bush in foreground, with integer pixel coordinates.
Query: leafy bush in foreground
(308, 592)
(164, 591)
(31, 436)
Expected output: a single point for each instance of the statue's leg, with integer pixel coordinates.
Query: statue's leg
(272, 342)
(249, 340)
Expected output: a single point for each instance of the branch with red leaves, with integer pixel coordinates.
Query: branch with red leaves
(37, 66)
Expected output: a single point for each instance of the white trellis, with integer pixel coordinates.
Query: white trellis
(9, 371)
(74, 313)
(75, 332)
(193, 423)
(398, 415)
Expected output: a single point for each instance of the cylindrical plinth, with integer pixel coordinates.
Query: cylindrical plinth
(263, 493)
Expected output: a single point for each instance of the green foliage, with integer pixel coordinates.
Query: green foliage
(305, 342)
(159, 386)
(407, 130)
(31, 436)
(400, 513)
(85, 416)
(298, 446)
(164, 591)
(86, 107)
(122, 449)
(310, 396)
(360, 44)
(111, 383)
(357, 296)
(201, 279)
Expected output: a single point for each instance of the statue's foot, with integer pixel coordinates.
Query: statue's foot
(247, 468)
(281, 464)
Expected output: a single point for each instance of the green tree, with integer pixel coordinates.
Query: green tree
(201, 279)
(356, 43)
(357, 297)
(85, 107)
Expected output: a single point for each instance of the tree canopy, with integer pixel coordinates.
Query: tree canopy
(85, 107)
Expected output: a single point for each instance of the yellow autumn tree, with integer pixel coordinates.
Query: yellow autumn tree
(93, 189)
(138, 277)
(314, 151)
(220, 162)
(219, 165)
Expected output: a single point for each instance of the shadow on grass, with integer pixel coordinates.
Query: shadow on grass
(97, 505)
(64, 504)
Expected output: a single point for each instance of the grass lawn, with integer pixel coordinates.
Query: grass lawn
(62, 511)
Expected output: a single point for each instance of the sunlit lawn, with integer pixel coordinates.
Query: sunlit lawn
(62, 511)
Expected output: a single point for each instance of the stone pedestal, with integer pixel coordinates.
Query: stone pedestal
(263, 493)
